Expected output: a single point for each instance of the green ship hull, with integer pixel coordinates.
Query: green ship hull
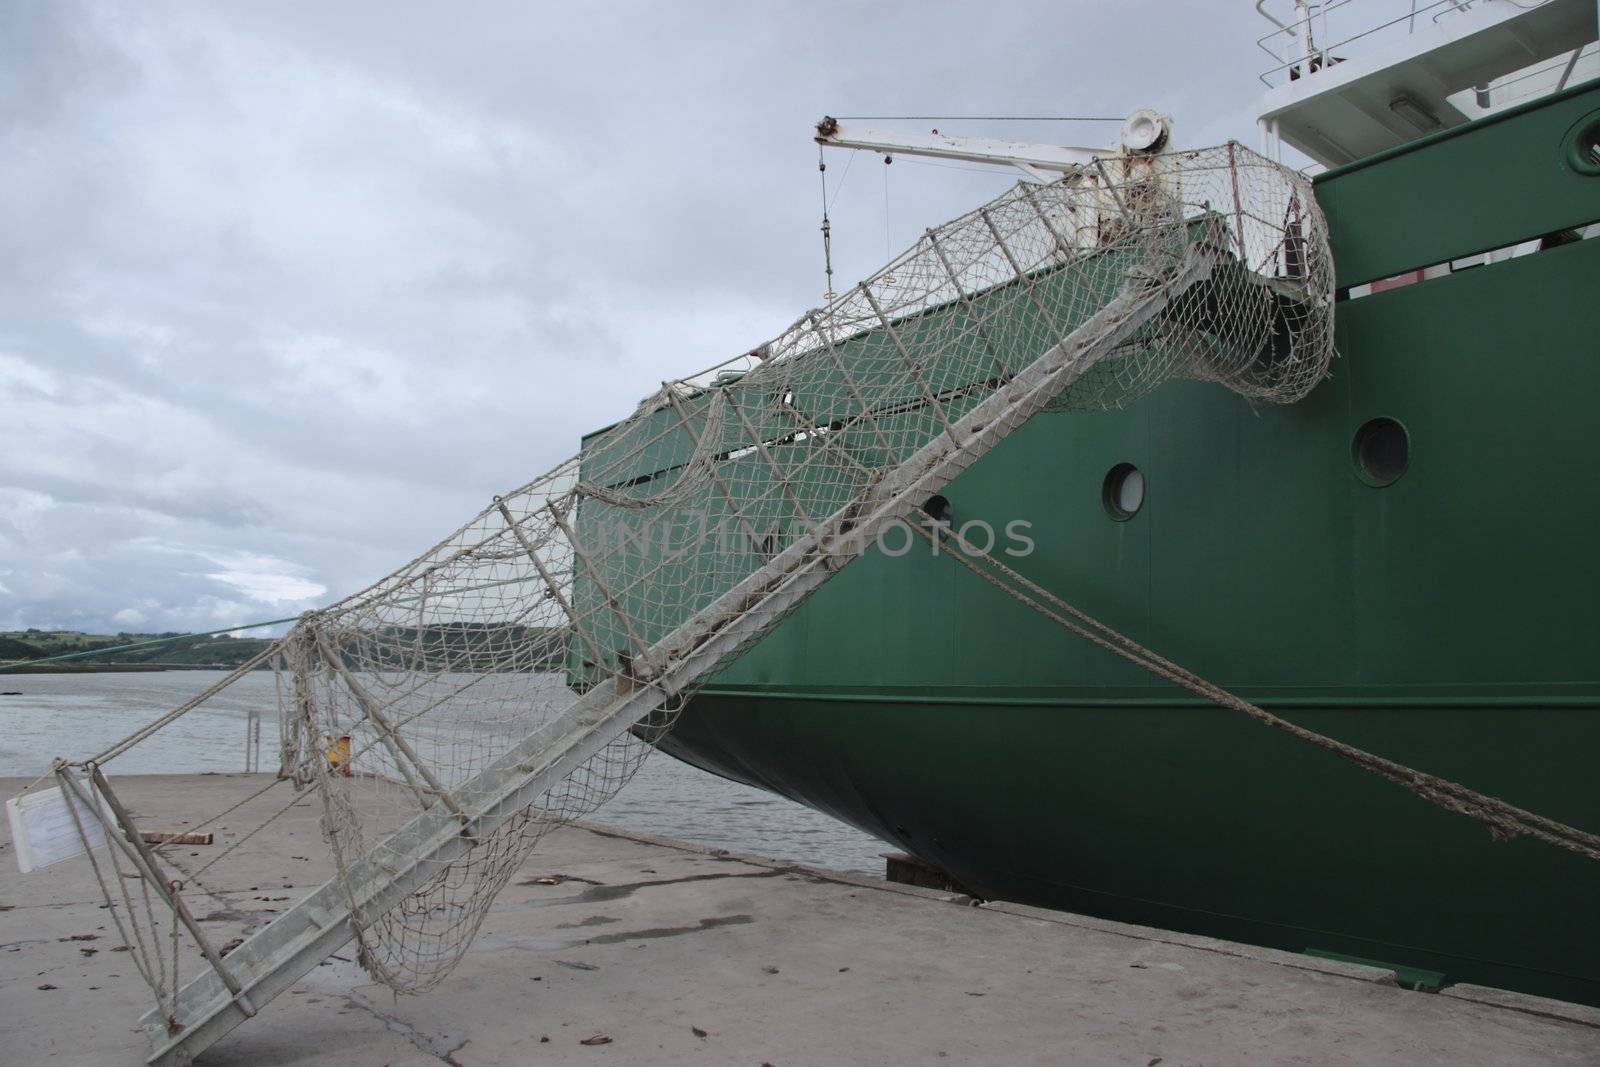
(1447, 620)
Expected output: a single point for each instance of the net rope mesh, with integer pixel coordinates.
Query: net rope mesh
(593, 582)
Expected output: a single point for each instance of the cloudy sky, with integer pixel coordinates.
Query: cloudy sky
(289, 290)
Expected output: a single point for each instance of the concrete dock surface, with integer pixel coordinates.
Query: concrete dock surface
(608, 947)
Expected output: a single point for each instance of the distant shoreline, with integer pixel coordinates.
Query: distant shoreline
(36, 651)
(24, 667)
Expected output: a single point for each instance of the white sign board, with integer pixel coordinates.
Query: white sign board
(44, 831)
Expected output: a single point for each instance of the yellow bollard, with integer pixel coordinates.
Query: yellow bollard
(338, 753)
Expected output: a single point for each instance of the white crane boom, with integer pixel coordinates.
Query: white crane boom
(1144, 133)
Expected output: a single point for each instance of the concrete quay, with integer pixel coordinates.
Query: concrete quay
(676, 954)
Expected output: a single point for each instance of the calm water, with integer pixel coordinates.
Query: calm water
(78, 715)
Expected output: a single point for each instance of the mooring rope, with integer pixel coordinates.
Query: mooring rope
(1503, 819)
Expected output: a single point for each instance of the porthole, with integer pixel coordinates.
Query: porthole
(1582, 145)
(1381, 451)
(1123, 491)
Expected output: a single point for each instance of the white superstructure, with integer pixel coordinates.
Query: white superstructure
(1353, 77)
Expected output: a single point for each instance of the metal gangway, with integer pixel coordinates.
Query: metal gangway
(511, 677)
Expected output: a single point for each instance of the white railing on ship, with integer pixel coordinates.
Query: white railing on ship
(1307, 44)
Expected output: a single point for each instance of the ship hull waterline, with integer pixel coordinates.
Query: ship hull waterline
(1193, 818)
(1441, 615)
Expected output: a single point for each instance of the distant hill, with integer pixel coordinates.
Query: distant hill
(186, 651)
(10, 648)
(444, 646)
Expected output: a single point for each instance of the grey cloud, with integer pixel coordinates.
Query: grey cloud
(300, 285)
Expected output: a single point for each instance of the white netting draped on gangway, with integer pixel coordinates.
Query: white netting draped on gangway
(579, 576)
(514, 675)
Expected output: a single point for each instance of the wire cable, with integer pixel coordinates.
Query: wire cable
(978, 118)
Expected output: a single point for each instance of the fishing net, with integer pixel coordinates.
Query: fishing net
(514, 676)
(578, 579)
